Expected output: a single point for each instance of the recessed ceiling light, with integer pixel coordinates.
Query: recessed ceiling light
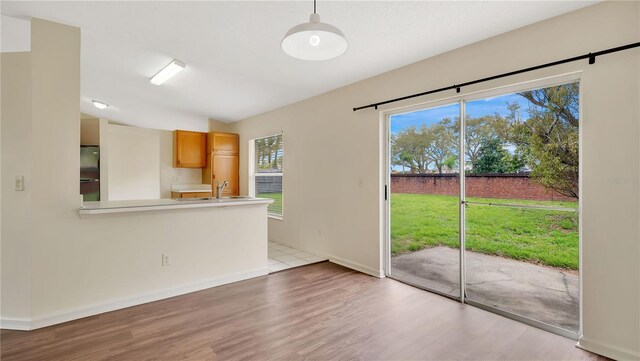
(170, 70)
(100, 105)
(314, 40)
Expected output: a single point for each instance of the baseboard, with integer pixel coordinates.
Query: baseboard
(15, 324)
(609, 351)
(357, 266)
(137, 300)
(338, 260)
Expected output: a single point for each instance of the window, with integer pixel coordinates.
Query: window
(265, 171)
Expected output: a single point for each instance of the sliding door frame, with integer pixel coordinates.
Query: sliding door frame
(385, 116)
(461, 201)
(462, 99)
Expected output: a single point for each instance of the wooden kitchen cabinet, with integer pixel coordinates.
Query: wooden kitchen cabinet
(224, 143)
(225, 168)
(190, 194)
(189, 149)
(223, 162)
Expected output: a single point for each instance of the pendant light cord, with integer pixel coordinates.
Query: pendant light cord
(314, 6)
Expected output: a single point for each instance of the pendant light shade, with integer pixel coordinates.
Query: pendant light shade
(314, 40)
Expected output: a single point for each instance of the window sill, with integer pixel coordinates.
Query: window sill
(275, 216)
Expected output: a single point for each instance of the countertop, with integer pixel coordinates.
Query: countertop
(103, 207)
(191, 188)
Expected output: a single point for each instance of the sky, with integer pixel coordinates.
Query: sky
(476, 108)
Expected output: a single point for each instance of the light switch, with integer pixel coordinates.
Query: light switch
(19, 182)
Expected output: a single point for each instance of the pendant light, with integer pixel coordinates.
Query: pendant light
(314, 40)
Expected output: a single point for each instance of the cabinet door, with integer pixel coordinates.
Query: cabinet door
(190, 149)
(225, 168)
(196, 195)
(224, 143)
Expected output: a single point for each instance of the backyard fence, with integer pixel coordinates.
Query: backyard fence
(268, 184)
(512, 186)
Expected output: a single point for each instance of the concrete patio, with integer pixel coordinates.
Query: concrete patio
(541, 293)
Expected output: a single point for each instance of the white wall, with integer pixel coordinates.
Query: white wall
(333, 165)
(15, 34)
(140, 164)
(65, 267)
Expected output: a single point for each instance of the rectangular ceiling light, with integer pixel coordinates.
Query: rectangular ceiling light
(170, 70)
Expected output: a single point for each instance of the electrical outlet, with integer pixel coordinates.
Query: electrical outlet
(19, 183)
(165, 260)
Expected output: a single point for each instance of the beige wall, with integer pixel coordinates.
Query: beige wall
(89, 130)
(332, 178)
(103, 132)
(333, 171)
(55, 156)
(218, 126)
(138, 169)
(134, 164)
(67, 267)
(16, 230)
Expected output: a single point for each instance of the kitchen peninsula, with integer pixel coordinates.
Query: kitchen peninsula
(162, 248)
(95, 208)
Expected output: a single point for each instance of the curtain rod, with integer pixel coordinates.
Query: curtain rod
(590, 56)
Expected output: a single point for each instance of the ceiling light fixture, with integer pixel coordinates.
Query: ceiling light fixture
(100, 105)
(314, 40)
(167, 72)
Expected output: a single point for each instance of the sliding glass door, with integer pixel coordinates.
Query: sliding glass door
(505, 236)
(425, 192)
(521, 205)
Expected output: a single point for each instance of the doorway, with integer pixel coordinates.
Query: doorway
(504, 236)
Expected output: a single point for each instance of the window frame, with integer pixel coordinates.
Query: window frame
(252, 172)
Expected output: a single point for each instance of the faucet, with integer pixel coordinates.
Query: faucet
(219, 188)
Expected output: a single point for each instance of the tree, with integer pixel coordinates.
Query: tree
(269, 152)
(516, 162)
(410, 144)
(476, 132)
(548, 139)
(402, 159)
(442, 143)
(451, 162)
(492, 158)
(426, 148)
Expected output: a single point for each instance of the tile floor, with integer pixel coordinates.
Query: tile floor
(282, 257)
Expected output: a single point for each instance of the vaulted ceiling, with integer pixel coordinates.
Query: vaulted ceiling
(235, 67)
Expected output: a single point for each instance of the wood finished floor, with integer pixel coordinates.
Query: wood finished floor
(322, 312)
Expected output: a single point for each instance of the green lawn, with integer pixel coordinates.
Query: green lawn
(542, 236)
(276, 206)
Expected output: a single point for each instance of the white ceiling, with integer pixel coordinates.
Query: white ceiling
(235, 67)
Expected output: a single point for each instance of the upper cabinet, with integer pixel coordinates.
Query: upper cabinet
(189, 149)
(223, 143)
(223, 162)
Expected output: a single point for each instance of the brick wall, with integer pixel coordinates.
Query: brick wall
(514, 186)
